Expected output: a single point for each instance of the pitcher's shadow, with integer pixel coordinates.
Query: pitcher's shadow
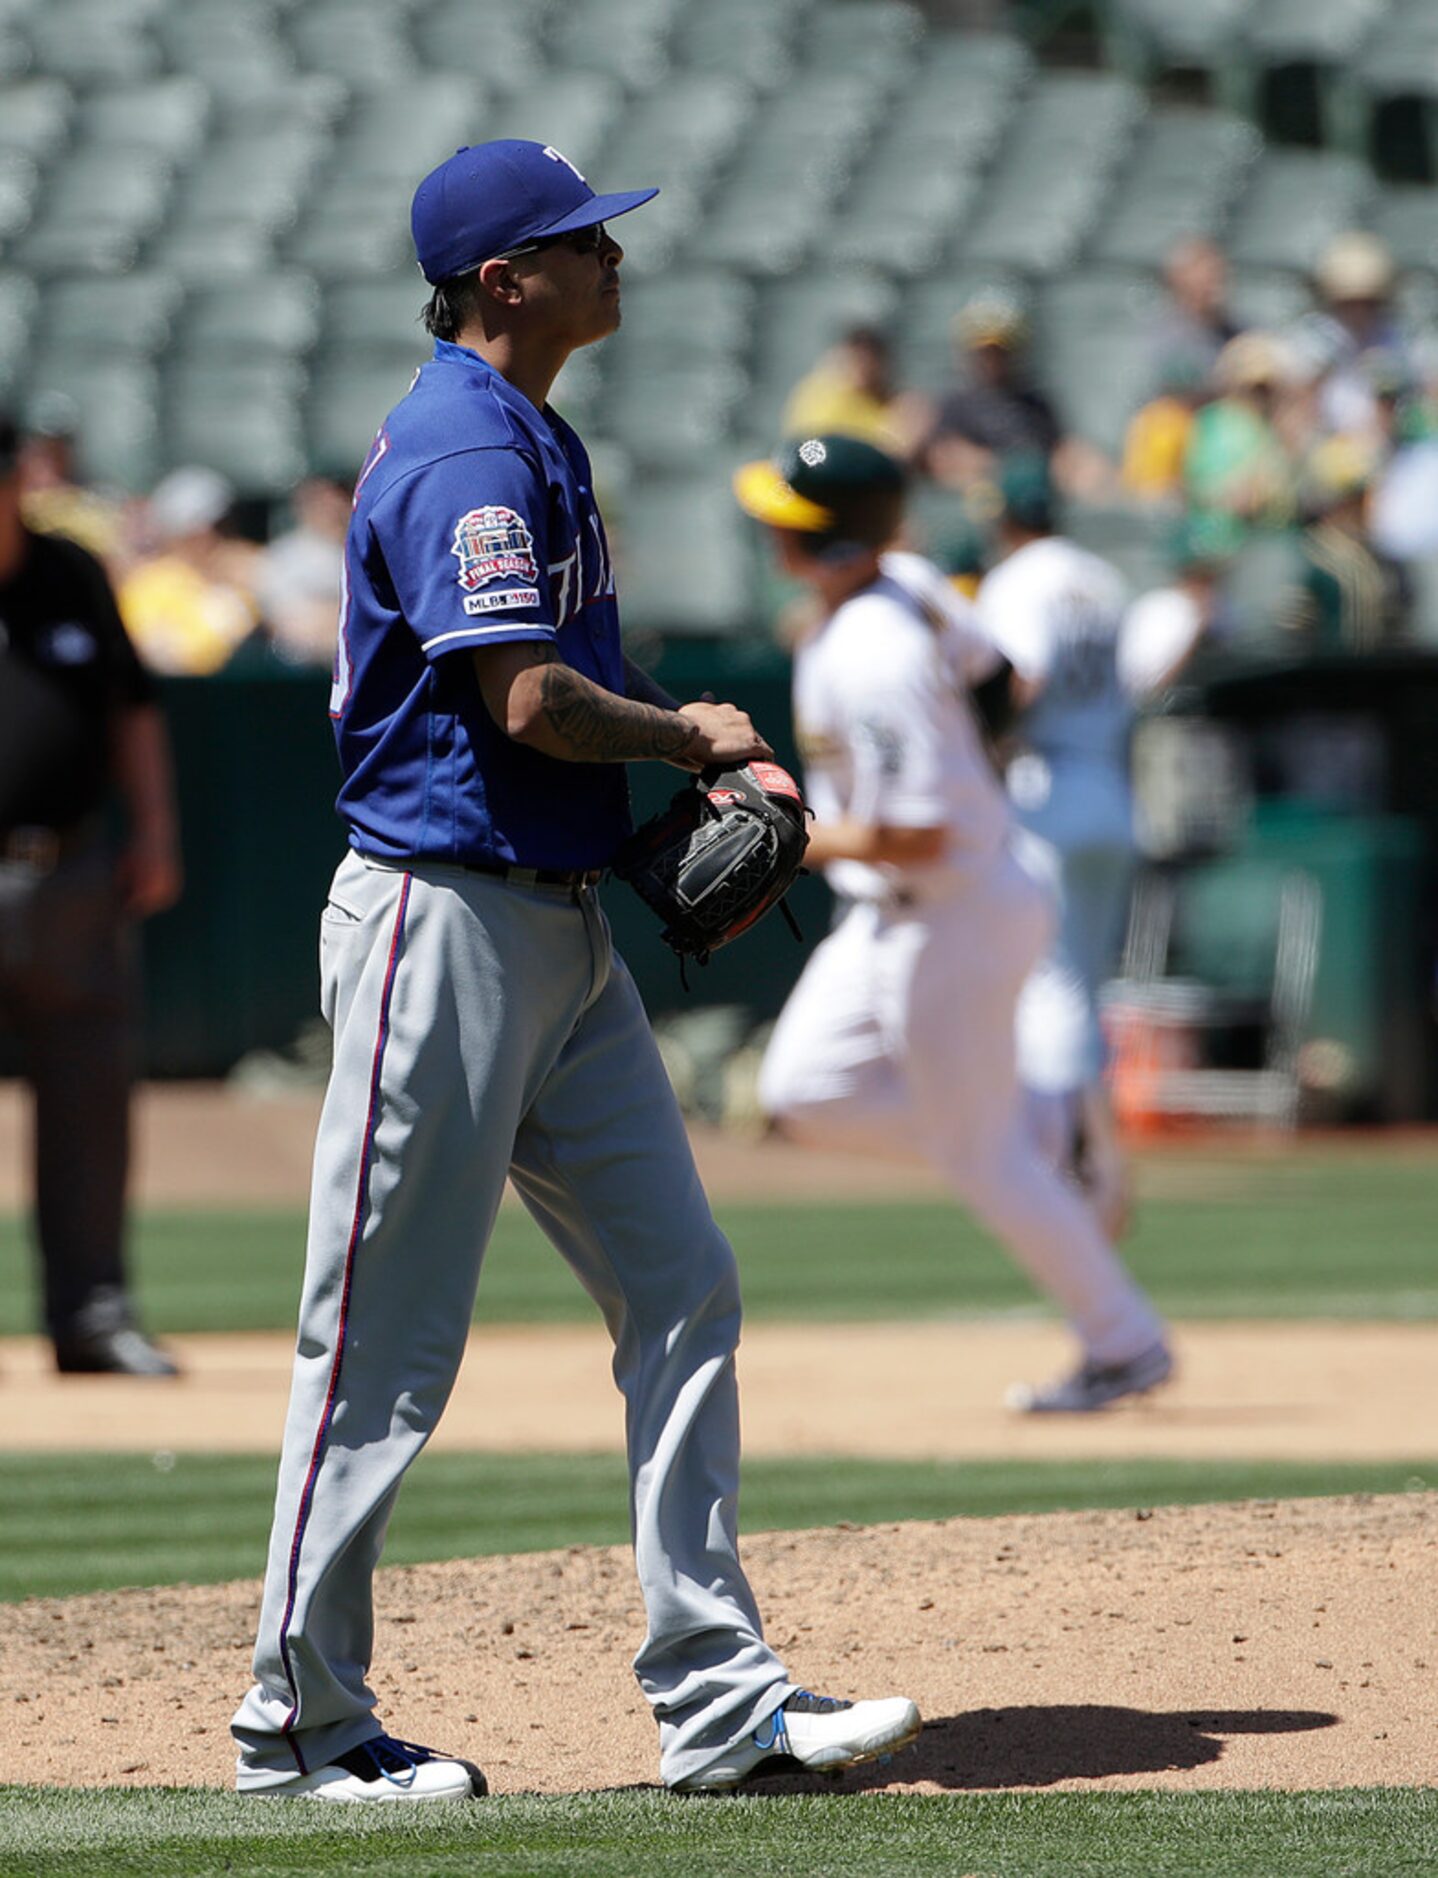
(1041, 1745)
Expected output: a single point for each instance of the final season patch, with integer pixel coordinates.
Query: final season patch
(493, 544)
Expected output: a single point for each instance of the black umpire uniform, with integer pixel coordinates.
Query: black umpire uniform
(71, 691)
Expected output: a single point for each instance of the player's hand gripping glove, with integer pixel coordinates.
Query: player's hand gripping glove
(725, 850)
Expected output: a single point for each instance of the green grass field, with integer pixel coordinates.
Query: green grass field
(106, 1520)
(1297, 1236)
(1356, 1834)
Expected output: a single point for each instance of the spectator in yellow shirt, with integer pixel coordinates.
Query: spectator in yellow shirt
(190, 604)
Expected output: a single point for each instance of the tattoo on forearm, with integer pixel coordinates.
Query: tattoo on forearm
(600, 727)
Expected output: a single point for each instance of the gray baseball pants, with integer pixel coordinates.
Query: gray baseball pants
(484, 1029)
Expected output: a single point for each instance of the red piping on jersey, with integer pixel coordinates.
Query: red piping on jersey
(356, 1227)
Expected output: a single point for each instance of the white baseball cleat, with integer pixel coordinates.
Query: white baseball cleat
(817, 1732)
(384, 1769)
(1094, 1385)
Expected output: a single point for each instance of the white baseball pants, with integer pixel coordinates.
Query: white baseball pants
(483, 1029)
(899, 1038)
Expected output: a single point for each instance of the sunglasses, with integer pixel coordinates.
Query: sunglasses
(578, 240)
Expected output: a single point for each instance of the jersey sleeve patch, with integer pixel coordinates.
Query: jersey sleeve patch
(494, 543)
(477, 603)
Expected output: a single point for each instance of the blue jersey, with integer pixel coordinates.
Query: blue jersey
(474, 524)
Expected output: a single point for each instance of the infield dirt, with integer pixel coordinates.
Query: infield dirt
(1283, 1645)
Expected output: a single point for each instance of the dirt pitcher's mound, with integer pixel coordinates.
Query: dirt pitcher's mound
(1285, 1644)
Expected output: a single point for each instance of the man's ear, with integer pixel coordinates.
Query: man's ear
(497, 282)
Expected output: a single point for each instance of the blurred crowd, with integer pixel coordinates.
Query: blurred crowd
(1298, 467)
(1304, 457)
(196, 590)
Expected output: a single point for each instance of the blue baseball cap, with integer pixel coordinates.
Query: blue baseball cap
(490, 197)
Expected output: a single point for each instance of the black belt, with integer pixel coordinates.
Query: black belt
(42, 849)
(536, 876)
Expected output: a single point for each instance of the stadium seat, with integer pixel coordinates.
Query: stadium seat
(880, 38)
(394, 133)
(625, 40)
(748, 40)
(1186, 167)
(904, 221)
(167, 115)
(490, 39)
(117, 401)
(364, 44)
(1134, 540)
(684, 556)
(682, 315)
(271, 315)
(1407, 219)
(19, 186)
(924, 326)
(798, 320)
(358, 245)
(134, 317)
(35, 117)
(239, 417)
(669, 417)
(346, 407)
(248, 181)
(19, 301)
(574, 111)
(1146, 37)
(1090, 340)
(97, 208)
(1296, 202)
(200, 252)
(232, 45)
(1048, 186)
(1267, 297)
(377, 321)
(93, 42)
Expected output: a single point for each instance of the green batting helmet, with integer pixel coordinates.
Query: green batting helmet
(839, 490)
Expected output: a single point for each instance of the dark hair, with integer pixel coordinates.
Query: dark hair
(451, 307)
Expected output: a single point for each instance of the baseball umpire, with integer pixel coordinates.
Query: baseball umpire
(483, 1026)
(78, 716)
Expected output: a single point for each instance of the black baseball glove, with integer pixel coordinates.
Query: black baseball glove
(725, 850)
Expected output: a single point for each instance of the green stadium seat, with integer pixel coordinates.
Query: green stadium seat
(377, 320)
(117, 401)
(19, 186)
(167, 115)
(346, 408)
(678, 137)
(494, 40)
(924, 327)
(1090, 345)
(1049, 185)
(1187, 166)
(135, 317)
(35, 117)
(903, 221)
(574, 111)
(99, 205)
(362, 44)
(577, 391)
(1267, 297)
(285, 105)
(93, 42)
(880, 38)
(359, 245)
(798, 320)
(1407, 219)
(668, 417)
(1401, 57)
(1296, 202)
(232, 45)
(1133, 540)
(685, 556)
(239, 417)
(395, 134)
(19, 303)
(257, 181)
(271, 315)
(623, 39)
(1146, 37)
(683, 315)
(754, 43)
(202, 252)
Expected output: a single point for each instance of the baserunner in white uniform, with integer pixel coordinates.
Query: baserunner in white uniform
(899, 1036)
(1055, 611)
